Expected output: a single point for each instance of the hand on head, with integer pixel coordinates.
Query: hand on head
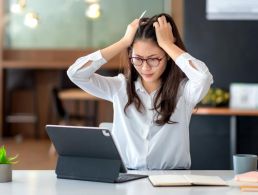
(130, 32)
(164, 32)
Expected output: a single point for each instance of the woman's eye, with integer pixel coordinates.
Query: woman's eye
(137, 59)
(152, 60)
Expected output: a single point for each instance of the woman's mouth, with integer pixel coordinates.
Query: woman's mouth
(147, 75)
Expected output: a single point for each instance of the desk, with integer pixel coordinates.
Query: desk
(76, 94)
(234, 114)
(45, 182)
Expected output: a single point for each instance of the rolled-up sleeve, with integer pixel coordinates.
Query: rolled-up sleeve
(199, 78)
(82, 73)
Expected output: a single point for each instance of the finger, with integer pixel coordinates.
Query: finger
(135, 21)
(162, 20)
(156, 25)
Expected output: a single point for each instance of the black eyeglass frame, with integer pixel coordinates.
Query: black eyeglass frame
(142, 60)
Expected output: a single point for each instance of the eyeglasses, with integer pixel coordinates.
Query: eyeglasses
(153, 62)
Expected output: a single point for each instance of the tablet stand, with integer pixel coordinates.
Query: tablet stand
(92, 169)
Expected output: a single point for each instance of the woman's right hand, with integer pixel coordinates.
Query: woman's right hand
(130, 32)
(114, 49)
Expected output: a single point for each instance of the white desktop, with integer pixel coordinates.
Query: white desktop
(45, 182)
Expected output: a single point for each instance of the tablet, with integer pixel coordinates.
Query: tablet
(88, 153)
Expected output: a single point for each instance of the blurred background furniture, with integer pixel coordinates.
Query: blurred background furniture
(89, 116)
(21, 82)
(48, 63)
(73, 104)
(234, 114)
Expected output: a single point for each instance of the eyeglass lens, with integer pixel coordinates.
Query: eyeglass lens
(150, 61)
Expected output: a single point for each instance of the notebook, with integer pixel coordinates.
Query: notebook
(186, 180)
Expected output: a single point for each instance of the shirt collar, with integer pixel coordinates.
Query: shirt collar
(138, 85)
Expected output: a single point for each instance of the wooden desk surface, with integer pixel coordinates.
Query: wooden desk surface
(226, 111)
(76, 94)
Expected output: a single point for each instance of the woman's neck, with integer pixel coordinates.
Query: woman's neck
(150, 86)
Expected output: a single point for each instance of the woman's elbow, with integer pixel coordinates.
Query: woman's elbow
(207, 78)
(71, 74)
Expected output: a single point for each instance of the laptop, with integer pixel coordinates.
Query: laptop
(88, 153)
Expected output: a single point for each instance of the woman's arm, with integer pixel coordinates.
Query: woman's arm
(82, 72)
(166, 38)
(197, 72)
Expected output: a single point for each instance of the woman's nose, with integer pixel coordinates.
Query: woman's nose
(145, 65)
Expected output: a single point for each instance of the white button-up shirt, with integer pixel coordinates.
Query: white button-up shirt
(142, 143)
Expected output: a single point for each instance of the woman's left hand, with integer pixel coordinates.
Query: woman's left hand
(164, 32)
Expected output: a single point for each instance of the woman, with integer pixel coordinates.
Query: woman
(153, 101)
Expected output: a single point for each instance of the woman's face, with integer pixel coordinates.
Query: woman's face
(147, 49)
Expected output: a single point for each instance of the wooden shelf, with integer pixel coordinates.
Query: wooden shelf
(36, 64)
(112, 65)
(49, 58)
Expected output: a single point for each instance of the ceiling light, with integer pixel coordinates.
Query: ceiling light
(18, 7)
(93, 11)
(31, 19)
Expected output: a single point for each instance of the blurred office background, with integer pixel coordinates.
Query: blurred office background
(40, 39)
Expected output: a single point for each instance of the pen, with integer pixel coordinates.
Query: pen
(143, 13)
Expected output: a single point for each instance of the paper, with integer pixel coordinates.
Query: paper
(167, 180)
(186, 180)
(206, 180)
(251, 176)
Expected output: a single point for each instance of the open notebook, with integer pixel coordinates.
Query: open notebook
(186, 180)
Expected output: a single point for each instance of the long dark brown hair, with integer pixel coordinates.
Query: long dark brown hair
(165, 99)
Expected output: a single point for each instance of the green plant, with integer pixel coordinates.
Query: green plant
(216, 97)
(6, 160)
